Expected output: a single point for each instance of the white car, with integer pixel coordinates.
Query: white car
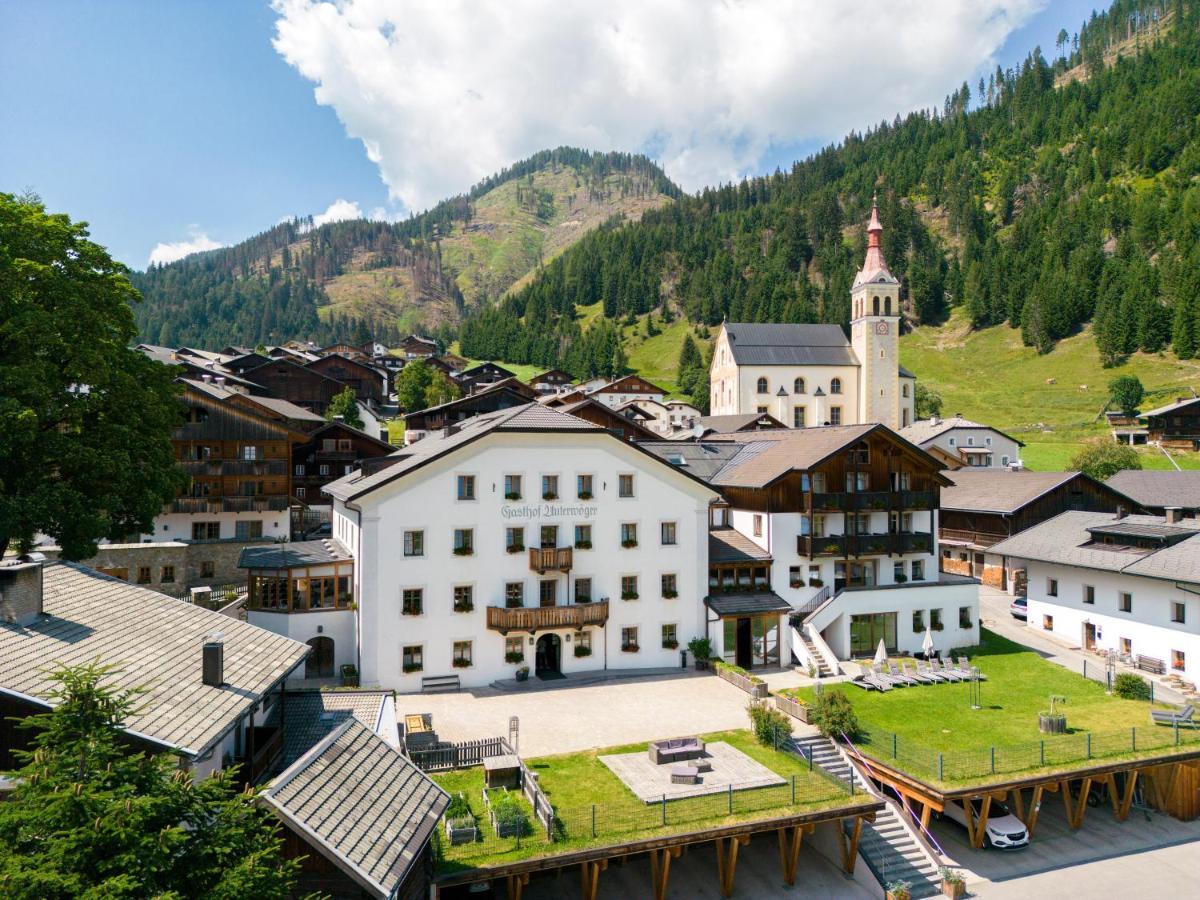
(1003, 830)
(1019, 608)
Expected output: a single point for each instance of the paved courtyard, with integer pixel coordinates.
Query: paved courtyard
(730, 768)
(590, 716)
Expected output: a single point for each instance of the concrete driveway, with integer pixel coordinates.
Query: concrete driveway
(567, 719)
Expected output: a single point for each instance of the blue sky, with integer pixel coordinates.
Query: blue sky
(159, 122)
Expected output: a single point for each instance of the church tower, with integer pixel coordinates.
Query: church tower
(875, 332)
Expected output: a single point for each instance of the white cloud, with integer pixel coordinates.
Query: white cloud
(166, 253)
(445, 92)
(339, 210)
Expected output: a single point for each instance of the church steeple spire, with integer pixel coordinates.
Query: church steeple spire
(874, 265)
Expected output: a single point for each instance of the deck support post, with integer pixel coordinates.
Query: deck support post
(1035, 806)
(589, 873)
(1122, 809)
(1018, 801)
(660, 869)
(977, 828)
(727, 854)
(849, 845)
(789, 851)
(515, 885)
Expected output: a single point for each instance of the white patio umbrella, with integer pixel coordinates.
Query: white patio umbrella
(881, 654)
(927, 644)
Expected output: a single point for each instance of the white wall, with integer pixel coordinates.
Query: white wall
(338, 624)
(1002, 448)
(427, 500)
(735, 391)
(178, 526)
(1149, 627)
(904, 601)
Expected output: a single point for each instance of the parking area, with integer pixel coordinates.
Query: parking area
(588, 716)
(1140, 841)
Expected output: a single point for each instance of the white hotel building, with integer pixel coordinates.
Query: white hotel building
(526, 537)
(1108, 581)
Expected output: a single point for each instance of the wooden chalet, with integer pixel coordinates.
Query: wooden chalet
(334, 450)
(417, 347)
(369, 384)
(482, 376)
(297, 384)
(985, 506)
(627, 428)
(505, 395)
(550, 381)
(1176, 425)
(350, 351)
(626, 388)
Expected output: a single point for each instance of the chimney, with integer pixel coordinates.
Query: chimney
(213, 669)
(205, 377)
(220, 380)
(21, 590)
(1121, 513)
(934, 420)
(1174, 515)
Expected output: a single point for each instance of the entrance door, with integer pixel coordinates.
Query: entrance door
(1089, 636)
(745, 644)
(548, 657)
(319, 663)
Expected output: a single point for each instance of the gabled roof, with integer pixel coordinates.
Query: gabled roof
(551, 375)
(739, 422)
(746, 604)
(154, 642)
(755, 344)
(587, 404)
(362, 803)
(310, 715)
(1180, 403)
(484, 368)
(522, 392)
(356, 433)
(730, 545)
(704, 459)
(1000, 490)
(1159, 489)
(293, 554)
(1066, 539)
(922, 431)
(624, 384)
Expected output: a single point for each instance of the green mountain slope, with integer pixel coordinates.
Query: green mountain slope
(347, 278)
(1056, 194)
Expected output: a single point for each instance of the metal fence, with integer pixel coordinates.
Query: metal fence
(1053, 750)
(577, 826)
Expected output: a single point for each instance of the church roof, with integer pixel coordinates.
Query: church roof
(754, 344)
(874, 268)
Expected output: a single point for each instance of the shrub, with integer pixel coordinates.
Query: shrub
(585, 495)
(549, 495)
(463, 551)
(772, 727)
(513, 495)
(515, 548)
(510, 817)
(1131, 687)
(701, 648)
(461, 663)
(514, 656)
(459, 808)
(583, 545)
(581, 650)
(834, 715)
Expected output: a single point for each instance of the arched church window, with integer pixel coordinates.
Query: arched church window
(798, 386)
(904, 390)
(835, 386)
(887, 306)
(762, 386)
(875, 305)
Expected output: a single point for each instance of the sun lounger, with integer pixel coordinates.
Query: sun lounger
(926, 668)
(862, 682)
(871, 678)
(915, 672)
(964, 666)
(1166, 717)
(940, 665)
(881, 674)
(895, 672)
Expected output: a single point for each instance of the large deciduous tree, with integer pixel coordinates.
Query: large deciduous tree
(91, 818)
(1103, 458)
(345, 405)
(85, 421)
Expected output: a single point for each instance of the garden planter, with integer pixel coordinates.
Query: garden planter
(349, 675)
(1052, 723)
(523, 673)
(752, 686)
(955, 889)
(461, 831)
(791, 707)
(701, 665)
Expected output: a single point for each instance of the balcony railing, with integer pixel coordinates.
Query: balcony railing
(234, 466)
(914, 543)
(550, 559)
(540, 618)
(869, 500)
(916, 499)
(828, 502)
(272, 503)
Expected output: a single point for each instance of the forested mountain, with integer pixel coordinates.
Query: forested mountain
(356, 278)
(1062, 191)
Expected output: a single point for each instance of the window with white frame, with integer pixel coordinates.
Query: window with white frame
(670, 586)
(412, 602)
(462, 654)
(583, 487)
(667, 534)
(629, 587)
(512, 487)
(414, 543)
(629, 639)
(549, 487)
(514, 594)
(669, 636)
(625, 486)
(413, 658)
(629, 534)
(466, 487)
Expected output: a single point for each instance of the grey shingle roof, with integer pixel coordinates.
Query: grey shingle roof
(736, 422)
(769, 454)
(310, 715)
(364, 804)
(730, 545)
(704, 459)
(746, 604)
(1179, 403)
(293, 554)
(999, 490)
(924, 430)
(528, 417)
(1159, 489)
(153, 641)
(789, 345)
(1065, 539)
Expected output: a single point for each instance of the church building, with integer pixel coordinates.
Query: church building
(810, 375)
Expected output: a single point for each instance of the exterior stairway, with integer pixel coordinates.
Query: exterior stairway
(823, 670)
(887, 846)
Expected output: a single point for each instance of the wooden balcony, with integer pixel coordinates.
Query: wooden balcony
(550, 559)
(540, 618)
(867, 501)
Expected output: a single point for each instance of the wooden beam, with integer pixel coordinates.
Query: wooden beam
(1018, 802)
(926, 809)
(1122, 811)
(849, 846)
(515, 885)
(727, 854)
(789, 852)
(1035, 806)
(978, 830)
(1110, 781)
(660, 869)
(589, 873)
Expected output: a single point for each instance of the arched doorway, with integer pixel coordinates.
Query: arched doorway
(319, 663)
(548, 658)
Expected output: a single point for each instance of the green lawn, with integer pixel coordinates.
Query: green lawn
(594, 808)
(937, 720)
(395, 429)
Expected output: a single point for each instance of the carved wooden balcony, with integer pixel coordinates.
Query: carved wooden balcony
(541, 618)
(550, 559)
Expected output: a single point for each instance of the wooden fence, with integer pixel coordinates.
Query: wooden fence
(458, 755)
